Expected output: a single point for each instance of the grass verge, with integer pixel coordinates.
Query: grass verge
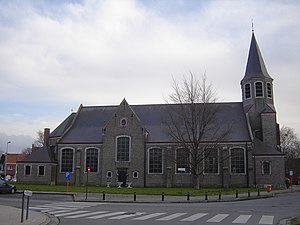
(140, 191)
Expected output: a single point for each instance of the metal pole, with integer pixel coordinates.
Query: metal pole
(22, 212)
(188, 196)
(206, 196)
(103, 196)
(134, 196)
(162, 196)
(86, 185)
(236, 193)
(27, 208)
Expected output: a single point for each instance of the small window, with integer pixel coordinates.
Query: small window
(27, 170)
(259, 89)
(269, 90)
(247, 91)
(10, 167)
(135, 174)
(109, 174)
(41, 170)
(266, 167)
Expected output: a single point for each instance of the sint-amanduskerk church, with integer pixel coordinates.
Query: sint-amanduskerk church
(128, 145)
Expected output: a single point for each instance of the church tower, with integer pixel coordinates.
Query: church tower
(258, 103)
(257, 94)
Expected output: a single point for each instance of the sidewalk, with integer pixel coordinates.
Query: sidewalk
(12, 216)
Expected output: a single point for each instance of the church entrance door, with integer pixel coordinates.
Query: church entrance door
(122, 176)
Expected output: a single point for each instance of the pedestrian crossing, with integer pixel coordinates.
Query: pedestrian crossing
(81, 210)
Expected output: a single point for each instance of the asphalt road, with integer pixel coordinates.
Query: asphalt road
(260, 211)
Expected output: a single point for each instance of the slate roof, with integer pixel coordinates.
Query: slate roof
(41, 155)
(90, 120)
(63, 126)
(255, 65)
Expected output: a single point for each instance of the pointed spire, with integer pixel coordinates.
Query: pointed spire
(255, 64)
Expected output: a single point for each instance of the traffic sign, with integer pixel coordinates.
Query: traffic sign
(89, 169)
(67, 175)
(27, 193)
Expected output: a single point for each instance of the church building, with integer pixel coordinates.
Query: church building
(127, 145)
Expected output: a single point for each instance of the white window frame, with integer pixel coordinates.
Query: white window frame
(218, 155)
(271, 89)
(60, 157)
(38, 171)
(250, 91)
(107, 176)
(10, 167)
(116, 148)
(85, 152)
(176, 169)
(244, 150)
(137, 174)
(262, 167)
(262, 87)
(162, 158)
(25, 170)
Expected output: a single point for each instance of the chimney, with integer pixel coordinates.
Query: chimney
(46, 137)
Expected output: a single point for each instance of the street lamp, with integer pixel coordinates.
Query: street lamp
(5, 165)
(7, 147)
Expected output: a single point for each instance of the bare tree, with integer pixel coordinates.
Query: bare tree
(289, 142)
(27, 151)
(39, 141)
(193, 123)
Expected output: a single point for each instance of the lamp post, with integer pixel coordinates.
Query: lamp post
(5, 165)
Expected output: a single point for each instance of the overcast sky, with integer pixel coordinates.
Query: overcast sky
(56, 55)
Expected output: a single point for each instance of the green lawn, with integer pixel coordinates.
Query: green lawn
(141, 191)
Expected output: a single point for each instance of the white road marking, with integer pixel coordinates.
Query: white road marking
(58, 211)
(149, 216)
(217, 218)
(242, 219)
(85, 214)
(170, 217)
(194, 217)
(126, 216)
(266, 220)
(70, 213)
(106, 215)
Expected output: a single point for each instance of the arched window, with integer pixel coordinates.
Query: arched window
(182, 161)
(155, 163)
(67, 158)
(211, 161)
(91, 159)
(247, 91)
(269, 90)
(135, 174)
(123, 149)
(237, 161)
(109, 174)
(259, 89)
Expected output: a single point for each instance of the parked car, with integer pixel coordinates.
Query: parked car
(7, 188)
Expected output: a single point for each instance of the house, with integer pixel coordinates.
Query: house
(11, 164)
(2, 163)
(39, 167)
(128, 144)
